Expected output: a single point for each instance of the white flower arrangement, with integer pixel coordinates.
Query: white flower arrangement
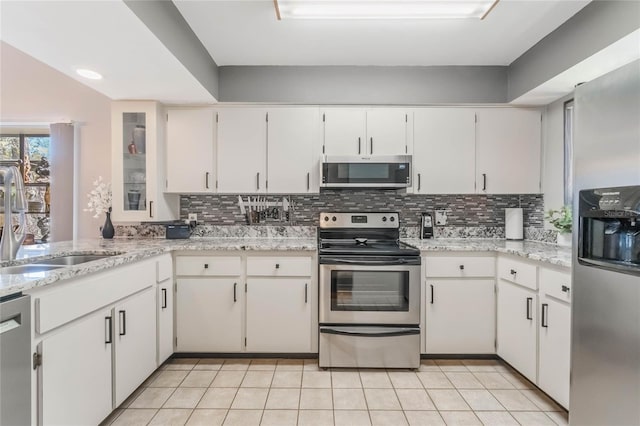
(99, 198)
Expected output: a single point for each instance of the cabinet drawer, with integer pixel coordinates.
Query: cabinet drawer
(164, 268)
(460, 267)
(553, 282)
(279, 266)
(208, 265)
(518, 272)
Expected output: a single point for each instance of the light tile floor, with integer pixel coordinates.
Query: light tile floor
(285, 392)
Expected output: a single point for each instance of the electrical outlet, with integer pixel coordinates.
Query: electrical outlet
(441, 217)
(193, 217)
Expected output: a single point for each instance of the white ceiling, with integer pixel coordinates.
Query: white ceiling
(105, 36)
(246, 32)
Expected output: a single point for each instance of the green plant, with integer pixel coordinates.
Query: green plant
(561, 219)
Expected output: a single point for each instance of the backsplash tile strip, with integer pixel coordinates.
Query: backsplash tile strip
(467, 210)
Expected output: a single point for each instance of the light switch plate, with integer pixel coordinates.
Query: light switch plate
(441, 217)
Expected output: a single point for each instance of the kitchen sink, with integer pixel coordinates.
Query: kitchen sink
(73, 259)
(28, 269)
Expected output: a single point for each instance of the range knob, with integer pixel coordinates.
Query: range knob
(326, 218)
(392, 219)
(384, 218)
(334, 218)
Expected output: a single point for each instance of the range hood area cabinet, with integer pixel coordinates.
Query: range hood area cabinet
(366, 131)
(268, 150)
(467, 150)
(138, 164)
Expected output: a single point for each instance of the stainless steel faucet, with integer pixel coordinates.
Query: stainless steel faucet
(12, 239)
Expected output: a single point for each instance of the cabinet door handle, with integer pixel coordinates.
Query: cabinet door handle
(529, 303)
(513, 272)
(462, 267)
(545, 312)
(306, 288)
(108, 329)
(565, 289)
(150, 208)
(371, 145)
(418, 181)
(123, 323)
(308, 181)
(206, 266)
(235, 292)
(164, 298)
(206, 180)
(484, 181)
(432, 294)
(359, 149)
(258, 180)
(277, 266)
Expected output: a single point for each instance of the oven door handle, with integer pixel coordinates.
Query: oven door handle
(372, 333)
(338, 261)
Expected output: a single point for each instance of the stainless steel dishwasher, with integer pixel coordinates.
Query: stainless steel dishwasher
(15, 361)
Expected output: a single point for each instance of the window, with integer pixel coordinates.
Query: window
(568, 152)
(30, 153)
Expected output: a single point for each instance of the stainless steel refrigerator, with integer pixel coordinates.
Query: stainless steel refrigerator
(605, 343)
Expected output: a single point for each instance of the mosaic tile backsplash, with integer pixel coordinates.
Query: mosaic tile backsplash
(468, 210)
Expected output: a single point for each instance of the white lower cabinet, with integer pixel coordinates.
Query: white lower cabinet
(278, 315)
(135, 342)
(209, 314)
(517, 327)
(75, 381)
(460, 316)
(97, 349)
(263, 302)
(555, 334)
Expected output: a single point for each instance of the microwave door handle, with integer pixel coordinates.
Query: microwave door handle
(331, 261)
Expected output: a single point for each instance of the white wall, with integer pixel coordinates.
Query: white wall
(32, 91)
(553, 155)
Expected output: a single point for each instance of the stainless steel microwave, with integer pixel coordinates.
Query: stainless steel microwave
(366, 171)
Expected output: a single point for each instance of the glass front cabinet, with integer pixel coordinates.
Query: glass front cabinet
(139, 163)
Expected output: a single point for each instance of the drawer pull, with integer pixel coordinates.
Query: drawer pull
(513, 272)
(462, 267)
(277, 266)
(108, 329)
(529, 303)
(123, 323)
(565, 289)
(545, 313)
(206, 266)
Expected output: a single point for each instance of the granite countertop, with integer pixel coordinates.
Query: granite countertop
(542, 252)
(122, 251)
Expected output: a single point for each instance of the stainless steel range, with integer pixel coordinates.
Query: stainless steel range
(369, 292)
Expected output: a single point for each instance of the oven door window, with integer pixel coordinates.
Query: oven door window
(370, 291)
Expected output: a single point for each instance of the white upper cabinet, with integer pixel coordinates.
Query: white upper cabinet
(359, 131)
(444, 151)
(242, 150)
(293, 150)
(138, 155)
(344, 131)
(190, 150)
(508, 150)
(387, 131)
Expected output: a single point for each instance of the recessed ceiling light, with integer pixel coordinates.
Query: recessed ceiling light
(92, 75)
(383, 9)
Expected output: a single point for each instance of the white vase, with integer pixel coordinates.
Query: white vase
(564, 239)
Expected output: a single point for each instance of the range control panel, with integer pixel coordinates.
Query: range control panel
(360, 220)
